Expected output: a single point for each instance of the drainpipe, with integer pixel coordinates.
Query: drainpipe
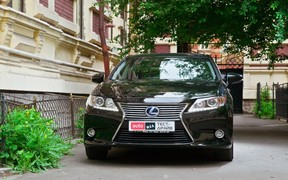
(103, 39)
(81, 20)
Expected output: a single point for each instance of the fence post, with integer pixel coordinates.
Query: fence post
(35, 103)
(2, 108)
(258, 96)
(274, 89)
(3, 112)
(285, 100)
(72, 116)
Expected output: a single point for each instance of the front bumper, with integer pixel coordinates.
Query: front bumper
(193, 130)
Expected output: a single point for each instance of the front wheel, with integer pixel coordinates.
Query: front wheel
(96, 153)
(225, 154)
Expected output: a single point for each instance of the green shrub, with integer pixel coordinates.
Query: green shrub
(266, 109)
(80, 121)
(31, 143)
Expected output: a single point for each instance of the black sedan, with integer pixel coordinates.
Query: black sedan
(160, 100)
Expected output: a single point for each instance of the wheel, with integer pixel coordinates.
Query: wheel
(225, 154)
(96, 153)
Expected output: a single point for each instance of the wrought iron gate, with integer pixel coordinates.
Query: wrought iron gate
(282, 100)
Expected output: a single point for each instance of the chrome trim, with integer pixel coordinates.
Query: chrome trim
(181, 105)
(123, 118)
(150, 111)
(181, 115)
(137, 111)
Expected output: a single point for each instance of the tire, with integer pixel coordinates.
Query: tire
(96, 153)
(225, 154)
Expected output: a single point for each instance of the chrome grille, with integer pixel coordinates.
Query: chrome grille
(180, 136)
(170, 112)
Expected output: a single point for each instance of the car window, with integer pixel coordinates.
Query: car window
(173, 69)
(165, 68)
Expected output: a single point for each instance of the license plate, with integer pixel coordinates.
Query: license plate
(153, 127)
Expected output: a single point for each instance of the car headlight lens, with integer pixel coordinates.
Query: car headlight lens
(109, 103)
(99, 102)
(207, 104)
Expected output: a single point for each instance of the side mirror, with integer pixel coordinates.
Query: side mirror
(98, 78)
(232, 78)
(225, 78)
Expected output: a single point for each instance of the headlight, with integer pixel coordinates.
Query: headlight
(99, 102)
(207, 104)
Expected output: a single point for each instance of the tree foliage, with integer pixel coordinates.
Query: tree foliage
(238, 25)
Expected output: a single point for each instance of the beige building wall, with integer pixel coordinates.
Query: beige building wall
(257, 72)
(41, 51)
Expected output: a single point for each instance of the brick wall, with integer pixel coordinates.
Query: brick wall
(44, 2)
(65, 9)
(96, 22)
(163, 48)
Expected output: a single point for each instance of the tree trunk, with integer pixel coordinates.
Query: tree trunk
(103, 39)
(183, 47)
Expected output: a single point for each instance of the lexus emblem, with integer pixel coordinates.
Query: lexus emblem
(152, 111)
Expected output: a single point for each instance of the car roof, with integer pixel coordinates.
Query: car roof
(169, 55)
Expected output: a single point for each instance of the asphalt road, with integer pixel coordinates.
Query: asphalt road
(260, 152)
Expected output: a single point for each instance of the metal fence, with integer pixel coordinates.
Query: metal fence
(282, 101)
(258, 95)
(279, 99)
(65, 110)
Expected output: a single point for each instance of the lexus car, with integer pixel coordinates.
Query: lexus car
(160, 100)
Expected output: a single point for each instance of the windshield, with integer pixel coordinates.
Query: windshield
(166, 68)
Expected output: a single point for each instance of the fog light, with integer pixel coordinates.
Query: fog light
(91, 132)
(219, 133)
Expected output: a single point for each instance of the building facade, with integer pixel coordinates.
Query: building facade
(54, 45)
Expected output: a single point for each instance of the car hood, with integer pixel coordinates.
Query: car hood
(156, 91)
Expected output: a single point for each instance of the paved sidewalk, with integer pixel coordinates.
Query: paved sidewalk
(249, 120)
(246, 123)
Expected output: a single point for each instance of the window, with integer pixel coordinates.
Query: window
(161, 68)
(44, 3)
(162, 48)
(122, 37)
(17, 4)
(204, 47)
(65, 9)
(96, 23)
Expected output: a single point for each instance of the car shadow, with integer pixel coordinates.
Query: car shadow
(160, 157)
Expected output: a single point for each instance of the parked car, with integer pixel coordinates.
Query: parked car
(160, 100)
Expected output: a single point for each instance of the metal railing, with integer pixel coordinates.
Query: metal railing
(279, 99)
(63, 109)
(265, 101)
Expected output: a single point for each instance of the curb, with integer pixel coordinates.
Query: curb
(4, 172)
(283, 120)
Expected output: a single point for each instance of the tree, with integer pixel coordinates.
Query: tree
(238, 25)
